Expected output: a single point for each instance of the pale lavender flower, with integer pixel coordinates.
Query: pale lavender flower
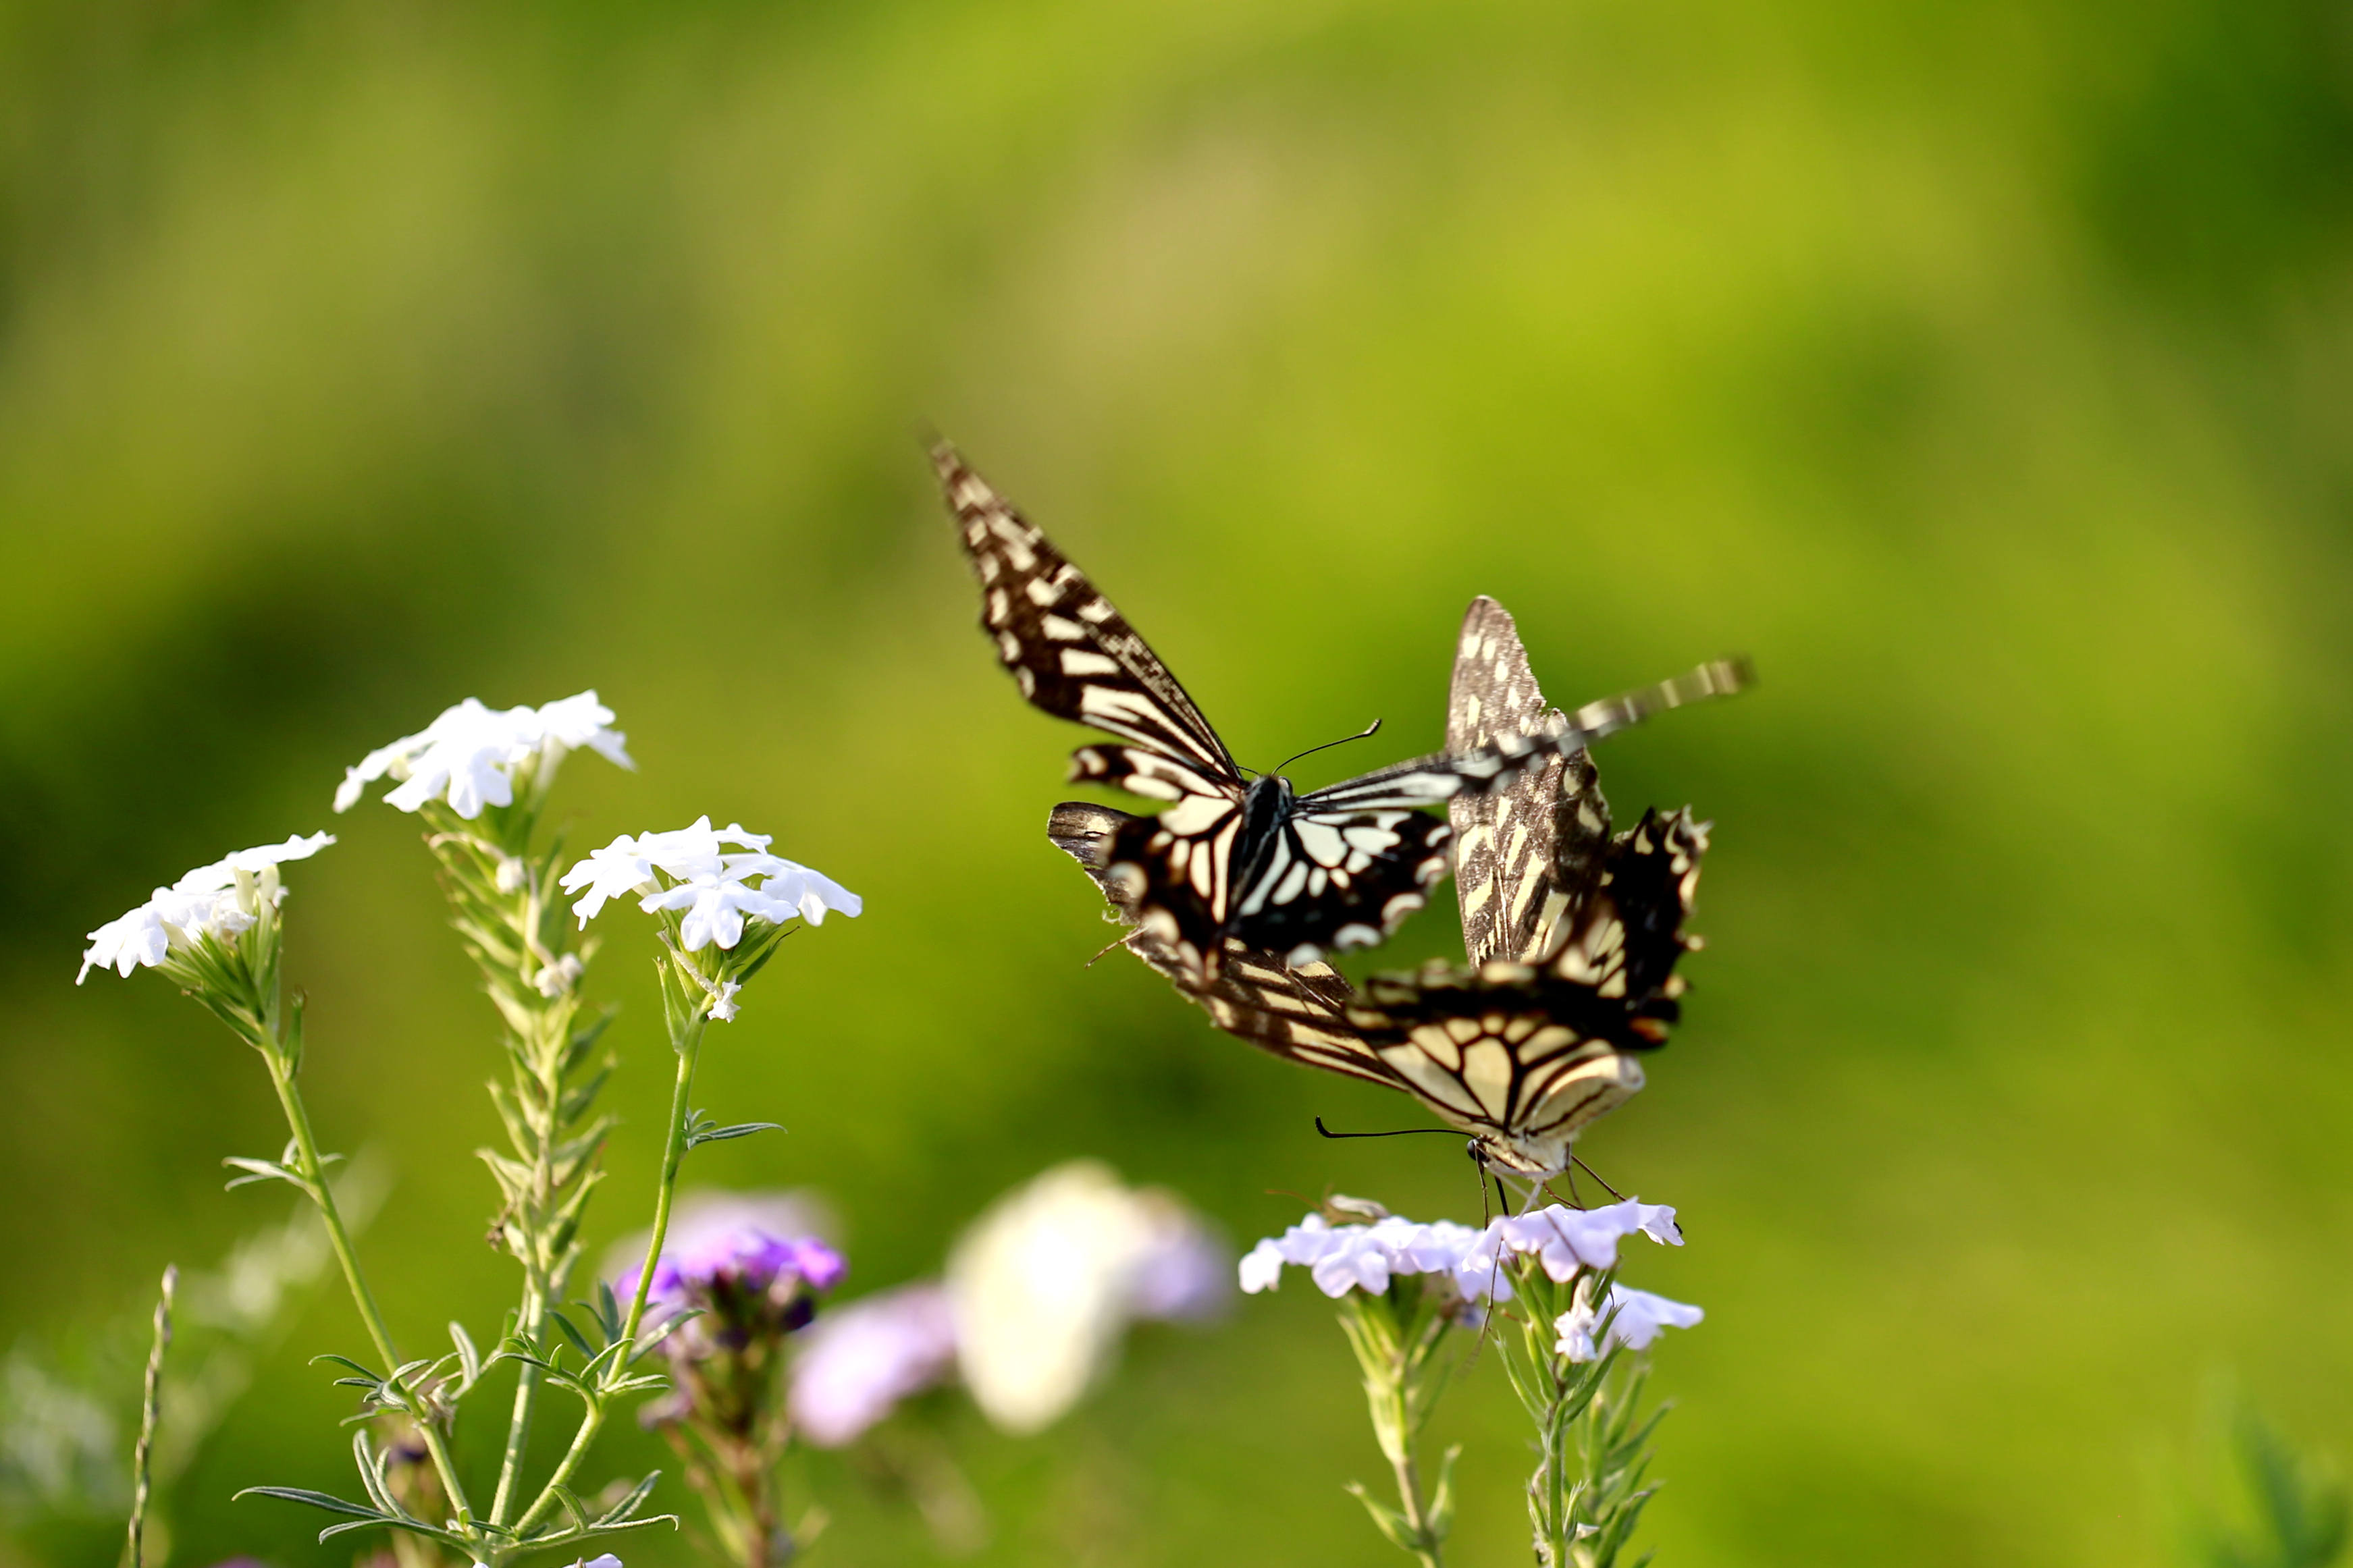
(692, 869)
(1185, 1271)
(1566, 1239)
(862, 1359)
(467, 754)
(1641, 1318)
(206, 902)
(1345, 1257)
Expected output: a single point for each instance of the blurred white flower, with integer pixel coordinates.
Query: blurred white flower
(712, 885)
(554, 979)
(1047, 1280)
(859, 1361)
(467, 754)
(1640, 1319)
(1566, 1239)
(205, 902)
(1345, 1257)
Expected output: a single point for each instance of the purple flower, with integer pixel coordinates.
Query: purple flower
(869, 1355)
(749, 1260)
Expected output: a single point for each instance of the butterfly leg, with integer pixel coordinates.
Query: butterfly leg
(1597, 1176)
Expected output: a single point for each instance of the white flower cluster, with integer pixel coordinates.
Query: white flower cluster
(466, 756)
(1564, 1241)
(205, 902)
(709, 881)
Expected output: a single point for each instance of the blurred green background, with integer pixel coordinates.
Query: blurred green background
(1983, 369)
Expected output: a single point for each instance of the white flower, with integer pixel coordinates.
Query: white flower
(722, 1001)
(1640, 1319)
(467, 754)
(207, 901)
(859, 1361)
(1048, 1279)
(1343, 1257)
(554, 979)
(1566, 1239)
(713, 885)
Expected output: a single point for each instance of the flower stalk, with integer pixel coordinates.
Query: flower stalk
(1396, 1336)
(1588, 1492)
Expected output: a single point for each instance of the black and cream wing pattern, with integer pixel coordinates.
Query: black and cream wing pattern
(1574, 936)
(1232, 858)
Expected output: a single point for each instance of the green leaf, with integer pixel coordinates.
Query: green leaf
(707, 1134)
(469, 1359)
(315, 1499)
(570, 1332)
(1388, 1520)
(571, 1505)
(628, 1505)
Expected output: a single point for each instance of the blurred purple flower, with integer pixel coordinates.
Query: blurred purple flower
(869, 1355)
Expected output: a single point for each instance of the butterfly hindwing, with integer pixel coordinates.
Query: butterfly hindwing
(1295, 1013)
(1526, 852)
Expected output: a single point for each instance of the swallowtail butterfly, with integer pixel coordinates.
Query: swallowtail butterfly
(1573, 937)
(1233, 859)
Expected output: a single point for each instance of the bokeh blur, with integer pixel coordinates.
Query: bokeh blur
(1984, 370)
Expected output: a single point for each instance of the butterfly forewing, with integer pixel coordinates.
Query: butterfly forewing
(1243, 861)
(1070, 652)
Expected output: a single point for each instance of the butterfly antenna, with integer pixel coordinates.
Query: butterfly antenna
(1090, 963)
(1361, 734)
(1397, 1132)
(1597, 1176)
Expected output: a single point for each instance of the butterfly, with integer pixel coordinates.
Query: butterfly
(1572, 935)
(1231, 857)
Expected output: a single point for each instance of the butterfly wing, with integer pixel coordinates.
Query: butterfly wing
(1519, 1056)
(1070, 652)
(1526, 1055)
(1525, 854)
(1332, 880)
(1298, 1013)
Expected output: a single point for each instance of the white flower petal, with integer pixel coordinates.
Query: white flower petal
(466, 756)
(205, 901)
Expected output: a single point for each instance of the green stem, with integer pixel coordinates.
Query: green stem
(314, 1176)
(688, 1044)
